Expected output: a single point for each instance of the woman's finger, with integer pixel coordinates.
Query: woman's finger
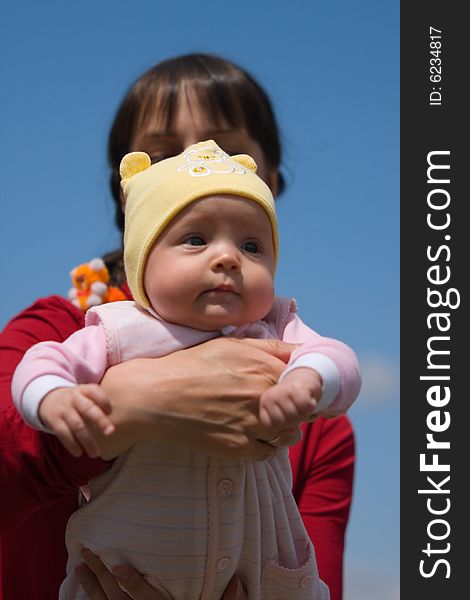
(104, 585)
(90, 583)
(287, 437)
(135, 584)
(277, 348)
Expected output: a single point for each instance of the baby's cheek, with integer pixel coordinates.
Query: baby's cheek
(161, 298)
(263, 296)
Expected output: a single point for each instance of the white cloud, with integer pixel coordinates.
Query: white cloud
(380, 381)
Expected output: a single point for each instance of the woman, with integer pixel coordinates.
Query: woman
(176, 103)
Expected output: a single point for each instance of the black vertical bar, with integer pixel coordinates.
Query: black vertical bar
(435, 358)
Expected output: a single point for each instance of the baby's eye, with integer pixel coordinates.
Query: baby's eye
(195, 240)
(251, 247)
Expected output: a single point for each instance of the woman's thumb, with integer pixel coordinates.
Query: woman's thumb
(277, 348)
(135, 584)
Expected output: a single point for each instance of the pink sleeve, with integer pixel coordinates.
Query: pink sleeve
(344, 359)
(81, 358)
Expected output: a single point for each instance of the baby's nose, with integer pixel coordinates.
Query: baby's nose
(228, 261)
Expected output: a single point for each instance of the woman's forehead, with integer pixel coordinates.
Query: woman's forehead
(189, 104)
(177, 118)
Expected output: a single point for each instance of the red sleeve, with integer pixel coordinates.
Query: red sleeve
(323, 470)
(35, 469)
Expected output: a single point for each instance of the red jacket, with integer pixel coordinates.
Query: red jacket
(39, 478)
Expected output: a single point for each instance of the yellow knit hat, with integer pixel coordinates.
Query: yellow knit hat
(155, 194)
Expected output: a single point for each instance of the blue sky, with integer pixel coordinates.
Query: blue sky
(332, 70)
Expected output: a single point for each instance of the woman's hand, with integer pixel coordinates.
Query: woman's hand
(101, 584)
(204, 398)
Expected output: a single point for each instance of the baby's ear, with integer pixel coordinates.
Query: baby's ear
(134, 163)
(246, 161)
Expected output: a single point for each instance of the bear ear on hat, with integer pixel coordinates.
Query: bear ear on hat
(246, 161)
(133, 163)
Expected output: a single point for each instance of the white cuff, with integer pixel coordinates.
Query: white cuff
(35, 392)
(327, 370)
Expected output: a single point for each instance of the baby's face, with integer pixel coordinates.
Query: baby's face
(213, 265)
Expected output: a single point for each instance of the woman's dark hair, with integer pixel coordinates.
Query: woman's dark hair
(225, 91)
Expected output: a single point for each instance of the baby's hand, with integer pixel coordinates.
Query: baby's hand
(68, 412)
(291, 401)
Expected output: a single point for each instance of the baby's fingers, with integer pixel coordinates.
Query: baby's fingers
(97, 394)
(67, 439)
(93, 407)
(272, 415)
(265, 417)
(82, 434)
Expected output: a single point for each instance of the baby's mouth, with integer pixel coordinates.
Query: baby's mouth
(223, 288)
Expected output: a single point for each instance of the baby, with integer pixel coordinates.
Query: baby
(200, 251)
